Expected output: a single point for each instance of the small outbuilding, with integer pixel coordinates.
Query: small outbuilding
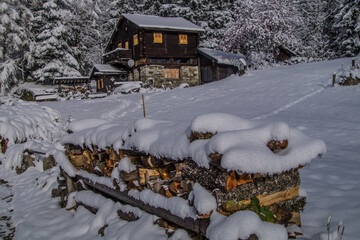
(107, 76)
(216, 65)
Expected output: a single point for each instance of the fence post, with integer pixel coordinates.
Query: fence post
(333, 79)
(143, 102)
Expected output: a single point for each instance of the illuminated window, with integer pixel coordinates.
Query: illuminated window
(158, 38)
(100, 83)
(126, 45)
(119, 45)
(183, 39)
(136, 39)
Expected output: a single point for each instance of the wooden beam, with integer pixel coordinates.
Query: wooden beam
(194, 225)
(267, 200)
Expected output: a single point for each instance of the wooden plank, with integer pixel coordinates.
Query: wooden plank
(266, 200)
(194, 225)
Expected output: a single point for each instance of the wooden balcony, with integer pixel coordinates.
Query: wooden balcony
(117, 56)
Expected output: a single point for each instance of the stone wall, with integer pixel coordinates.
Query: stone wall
(190, 75)
(155, 76)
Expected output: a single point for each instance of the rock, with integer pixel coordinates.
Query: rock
(48, 162)
(27, 161)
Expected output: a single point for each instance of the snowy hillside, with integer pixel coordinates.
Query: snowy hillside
(299, 95)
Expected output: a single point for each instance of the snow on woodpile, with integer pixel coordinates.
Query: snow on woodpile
(180, 166)
(242, 145)
(14, 154)
(24, 121)
(241, 225)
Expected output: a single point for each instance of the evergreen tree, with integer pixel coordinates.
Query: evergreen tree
(13, 42)
(86, 37)
(261, 28)
(53, 51)
(313, 33)
(346, 29)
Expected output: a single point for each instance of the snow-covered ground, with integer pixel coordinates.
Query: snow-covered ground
(299, 95)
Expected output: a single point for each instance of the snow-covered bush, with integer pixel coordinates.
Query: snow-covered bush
(24, 121)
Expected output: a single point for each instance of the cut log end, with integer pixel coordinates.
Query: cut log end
(274, 145)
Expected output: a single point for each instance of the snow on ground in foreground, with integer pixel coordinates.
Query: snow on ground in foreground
(299, 95)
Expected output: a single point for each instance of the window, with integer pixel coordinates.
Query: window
(136, 40)
(119, 45)
(172, 73)
(183, 39)
(127, 45)
(158, 38)
(100, 83)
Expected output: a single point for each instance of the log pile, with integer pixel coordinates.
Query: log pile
(233, 190)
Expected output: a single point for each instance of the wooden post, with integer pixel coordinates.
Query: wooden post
(334, 79)
(353, 63)
(143, 101)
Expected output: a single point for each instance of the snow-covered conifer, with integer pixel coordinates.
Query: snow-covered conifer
(53, 51)
(346, 29)
(261, 28)
(13, 42)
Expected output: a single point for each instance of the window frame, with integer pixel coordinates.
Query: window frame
(136, 39)
(157, 37)
(183, 39)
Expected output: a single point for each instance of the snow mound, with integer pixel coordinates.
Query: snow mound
(219, 122)
(242, 143)
(204, 202)
(14, 153)
(79, 125)
(25, 121)
(241, 225)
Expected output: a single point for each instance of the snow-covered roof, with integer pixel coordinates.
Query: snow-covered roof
(173, 23)
(223, 57)
(115, 50)
(105, 69)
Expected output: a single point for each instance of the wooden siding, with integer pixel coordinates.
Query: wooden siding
(211, 71)
(170, 47)
(169, 53)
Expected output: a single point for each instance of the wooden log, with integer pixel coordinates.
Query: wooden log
(295, 218)
(199, 135)
(274, 145)
(77, 161)
(175, 188)
(151, 162)
(157, 187)
(164, 174)
(102, 156)
(152, 174)
(129, 176)
(113, 155)
(164, 190)
(215, 157)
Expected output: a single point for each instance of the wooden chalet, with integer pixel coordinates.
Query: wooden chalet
(164, 49)
(217, 65)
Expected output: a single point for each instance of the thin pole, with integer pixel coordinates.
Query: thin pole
(143, 101)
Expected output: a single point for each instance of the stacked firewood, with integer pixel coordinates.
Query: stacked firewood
(233, 190)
